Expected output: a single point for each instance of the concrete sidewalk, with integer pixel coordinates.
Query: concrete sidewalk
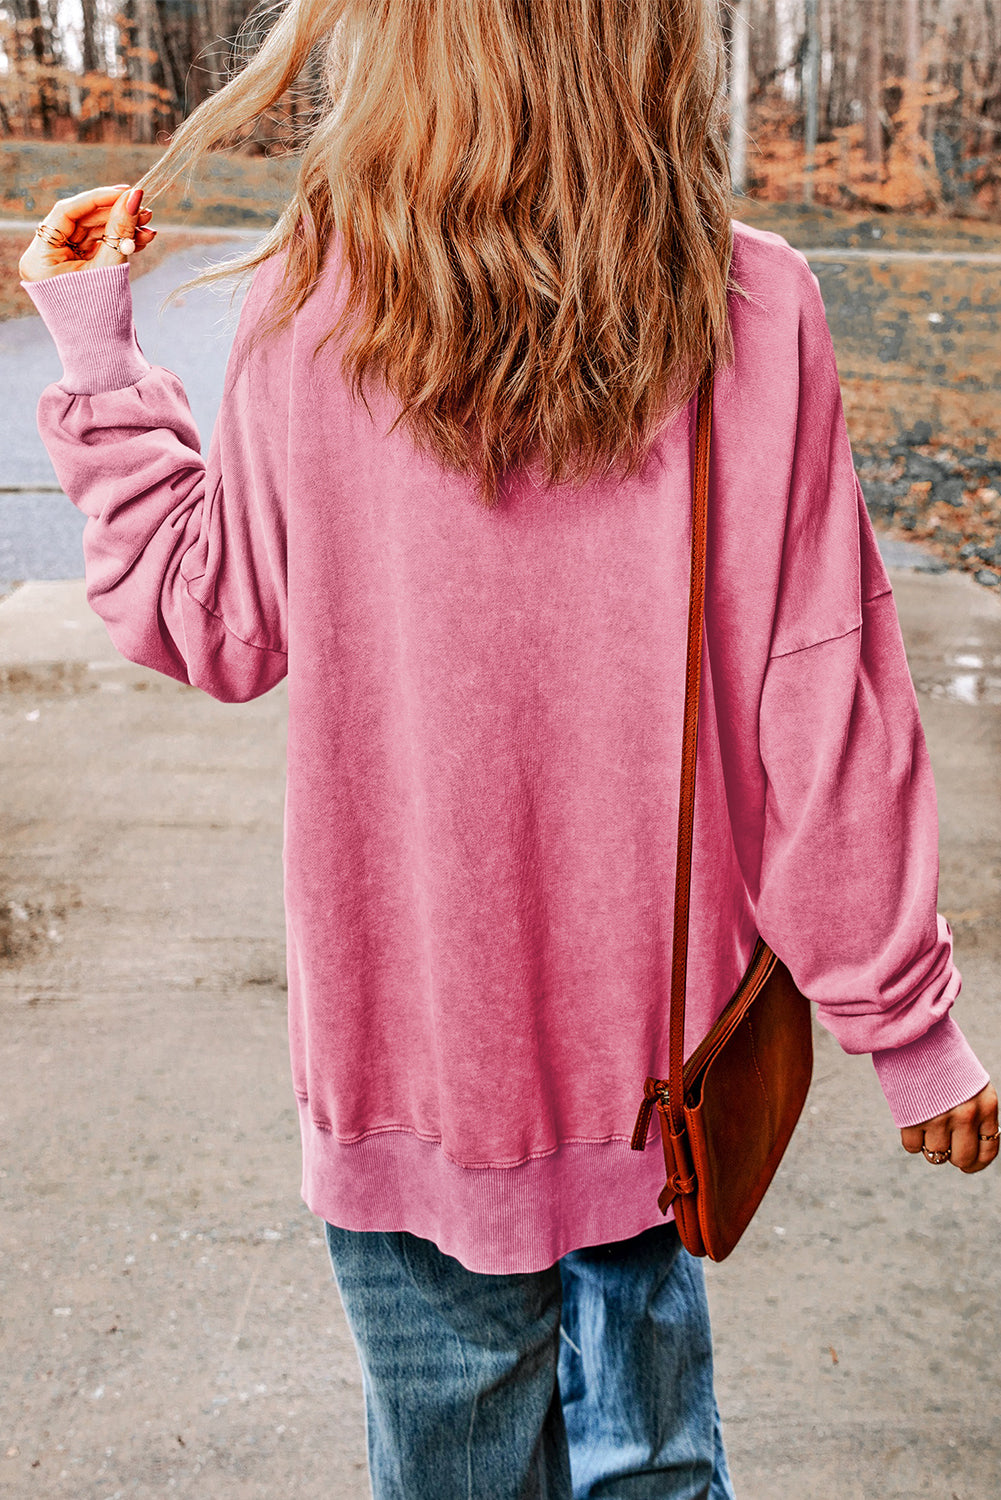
(170, 1320)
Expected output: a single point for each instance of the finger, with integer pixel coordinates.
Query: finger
(963, 1123)
(41, 259)
(77, 256)
(66, 213)
(987, 1153)
(967, 1134)
(86, 255)
(144, 238)
(974, 1124)
(119, 238)
(936, 1148)
(965, 1147)
(988, 1137)
(98, 217)
(938, 1134)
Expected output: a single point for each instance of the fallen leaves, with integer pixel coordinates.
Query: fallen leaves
(953, 510)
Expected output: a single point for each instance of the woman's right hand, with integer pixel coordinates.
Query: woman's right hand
(967, 1134)
(75, 232)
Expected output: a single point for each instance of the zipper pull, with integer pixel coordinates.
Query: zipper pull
(653, 1089)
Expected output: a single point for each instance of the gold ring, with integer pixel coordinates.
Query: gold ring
(119, 242)
(60, 242)
(936, 1157)
(46, 231)
(991, 1137)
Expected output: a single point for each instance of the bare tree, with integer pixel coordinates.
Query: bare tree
(145, 57)
(890, 103)
(872, 80)
(740, 77)
(811, 87)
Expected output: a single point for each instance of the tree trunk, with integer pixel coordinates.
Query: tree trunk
(872, 83)
(912, 40)
(166, 47)
(938, 72)
(913, 81)
(89, 50)
(839, 88)
(144, 44)
(39, 51)
(811, 87)
(740, 77)
(764, 43)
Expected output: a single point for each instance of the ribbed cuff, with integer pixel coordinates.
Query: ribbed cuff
(89, 315)
(933, 1073)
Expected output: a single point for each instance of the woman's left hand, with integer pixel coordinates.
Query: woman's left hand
(101, 227)
(966, 1136)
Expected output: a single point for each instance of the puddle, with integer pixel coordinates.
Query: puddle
(966, 676)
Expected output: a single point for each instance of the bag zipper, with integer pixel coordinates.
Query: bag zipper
(655, 1090)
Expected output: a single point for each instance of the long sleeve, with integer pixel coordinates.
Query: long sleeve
(849, 859)
(185, 556)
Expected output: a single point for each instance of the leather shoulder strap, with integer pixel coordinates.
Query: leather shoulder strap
(689, 745)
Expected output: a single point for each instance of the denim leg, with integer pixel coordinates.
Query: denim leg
(459, 1369)
(636, 1373)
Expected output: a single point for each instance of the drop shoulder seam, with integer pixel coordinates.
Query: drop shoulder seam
(828, 639)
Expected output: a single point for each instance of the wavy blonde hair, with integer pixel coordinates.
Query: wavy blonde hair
(534, 203)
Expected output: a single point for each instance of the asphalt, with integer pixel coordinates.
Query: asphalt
(170, 1322)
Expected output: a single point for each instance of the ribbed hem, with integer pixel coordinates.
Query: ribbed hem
(89, 315)
(933, 1073)
(495, 1220)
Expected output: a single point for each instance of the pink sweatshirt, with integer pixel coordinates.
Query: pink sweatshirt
(484, 743)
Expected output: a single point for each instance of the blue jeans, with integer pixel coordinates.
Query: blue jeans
(592, 1378)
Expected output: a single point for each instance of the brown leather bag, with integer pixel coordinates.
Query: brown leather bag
(726, 1115)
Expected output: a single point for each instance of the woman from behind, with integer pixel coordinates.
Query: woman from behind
(513, 224)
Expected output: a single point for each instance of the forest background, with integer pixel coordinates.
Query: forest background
(879, 104)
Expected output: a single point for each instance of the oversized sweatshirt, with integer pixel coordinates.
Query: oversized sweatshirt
(484, 728)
